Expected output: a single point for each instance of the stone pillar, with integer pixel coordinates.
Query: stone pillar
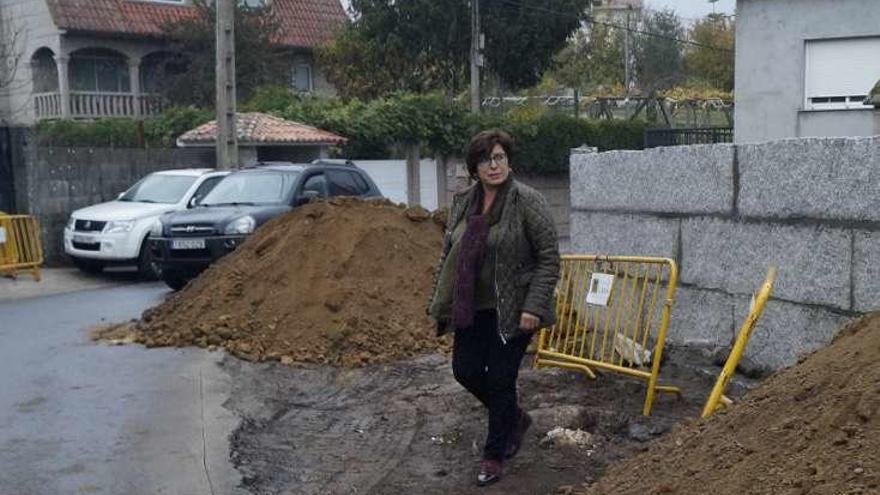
(134, 76)
(413, 181)
(877, 120)
(442, 182)
(61, 63)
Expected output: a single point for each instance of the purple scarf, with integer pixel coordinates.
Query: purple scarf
(470, 259)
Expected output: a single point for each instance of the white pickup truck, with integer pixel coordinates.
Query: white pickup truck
(115, 233)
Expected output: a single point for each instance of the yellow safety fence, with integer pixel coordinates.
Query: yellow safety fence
(717, 399)
(612, 314)
(20, 247)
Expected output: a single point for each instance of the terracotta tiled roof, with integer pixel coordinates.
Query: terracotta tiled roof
(257, 129)
(303, 23)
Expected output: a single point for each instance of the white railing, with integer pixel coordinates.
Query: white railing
(47, 105)
(89, 105)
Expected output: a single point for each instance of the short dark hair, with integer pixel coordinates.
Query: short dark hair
(481, 145)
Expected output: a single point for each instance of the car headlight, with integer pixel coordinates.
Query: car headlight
(243, 225)
(71, 223)
(156, 229)
(118, 226)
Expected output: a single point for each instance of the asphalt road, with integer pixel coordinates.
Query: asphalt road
(81, 417)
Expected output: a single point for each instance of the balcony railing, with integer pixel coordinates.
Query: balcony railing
(90, 105)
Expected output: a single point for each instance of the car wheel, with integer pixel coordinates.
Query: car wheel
(88, 266)
(148, 268)
(174, 280)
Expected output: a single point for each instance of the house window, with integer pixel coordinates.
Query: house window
(302, 77)
(44, 72)
(99, 70)
(840, 73)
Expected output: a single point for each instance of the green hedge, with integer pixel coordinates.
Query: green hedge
(544, 139)
(375, 128)
(161, 132)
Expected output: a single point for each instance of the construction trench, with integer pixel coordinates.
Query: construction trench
(352, 393)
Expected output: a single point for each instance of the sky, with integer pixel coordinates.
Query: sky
(693, 8)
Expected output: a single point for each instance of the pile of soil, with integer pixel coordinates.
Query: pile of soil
(813, 428)
(342, 282)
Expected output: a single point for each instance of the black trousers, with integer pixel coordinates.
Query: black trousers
(488, 369)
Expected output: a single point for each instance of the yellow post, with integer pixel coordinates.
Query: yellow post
(716, 397)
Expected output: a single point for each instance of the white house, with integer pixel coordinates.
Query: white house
(96, 58)
(805, 67)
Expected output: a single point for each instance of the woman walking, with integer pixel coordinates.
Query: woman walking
(494, 288)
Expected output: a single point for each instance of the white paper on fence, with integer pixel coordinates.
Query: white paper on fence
(599, 290)
(631, 351)
(2, 235)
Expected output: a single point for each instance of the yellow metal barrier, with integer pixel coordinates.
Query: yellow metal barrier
(717, 398)
(613, 314)
(20, 247)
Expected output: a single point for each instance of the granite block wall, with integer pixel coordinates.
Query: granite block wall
(725, 213)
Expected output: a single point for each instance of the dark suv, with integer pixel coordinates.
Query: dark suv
(184, 243)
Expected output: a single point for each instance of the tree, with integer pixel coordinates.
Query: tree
(422, 45)
(523, 35)
(712, 61)
(189, 76)
(406, 45)
(592, 61)
(658, 55)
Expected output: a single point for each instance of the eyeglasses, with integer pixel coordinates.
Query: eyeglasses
(498, 158)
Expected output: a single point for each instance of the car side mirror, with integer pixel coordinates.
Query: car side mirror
(120, 195)
(307, 197)
(194, 201)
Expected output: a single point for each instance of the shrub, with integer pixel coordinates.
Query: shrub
(160, 132)
(375, 129)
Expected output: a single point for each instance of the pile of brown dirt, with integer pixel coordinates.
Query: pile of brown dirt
(342, 282)
(813, 428)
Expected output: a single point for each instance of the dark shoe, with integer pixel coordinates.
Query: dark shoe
(522, 426)
(490, 472)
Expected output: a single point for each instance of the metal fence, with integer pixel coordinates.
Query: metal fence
(679, 137)
(20, 247)
(612, 314)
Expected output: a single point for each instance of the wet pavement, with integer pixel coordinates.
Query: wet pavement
(62, 280)
(80, 417)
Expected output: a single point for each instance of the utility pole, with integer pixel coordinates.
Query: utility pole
(626, 54)
(476, 55)
(713, 2)
(227, 138)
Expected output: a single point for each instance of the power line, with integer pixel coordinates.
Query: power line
(592, 20)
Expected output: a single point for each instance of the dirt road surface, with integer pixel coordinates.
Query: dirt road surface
(407, 427)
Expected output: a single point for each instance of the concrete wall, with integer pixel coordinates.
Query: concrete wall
(770, 55)
(50, 183)
(727, 212)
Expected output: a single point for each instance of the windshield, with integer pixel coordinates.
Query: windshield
(260, 188)
(159, 188)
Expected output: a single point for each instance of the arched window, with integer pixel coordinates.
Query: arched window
(44, 74)
(99, 69)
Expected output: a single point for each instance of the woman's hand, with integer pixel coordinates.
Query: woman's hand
(528, 321)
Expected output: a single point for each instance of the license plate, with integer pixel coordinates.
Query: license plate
(84, 239)
(188, 244)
